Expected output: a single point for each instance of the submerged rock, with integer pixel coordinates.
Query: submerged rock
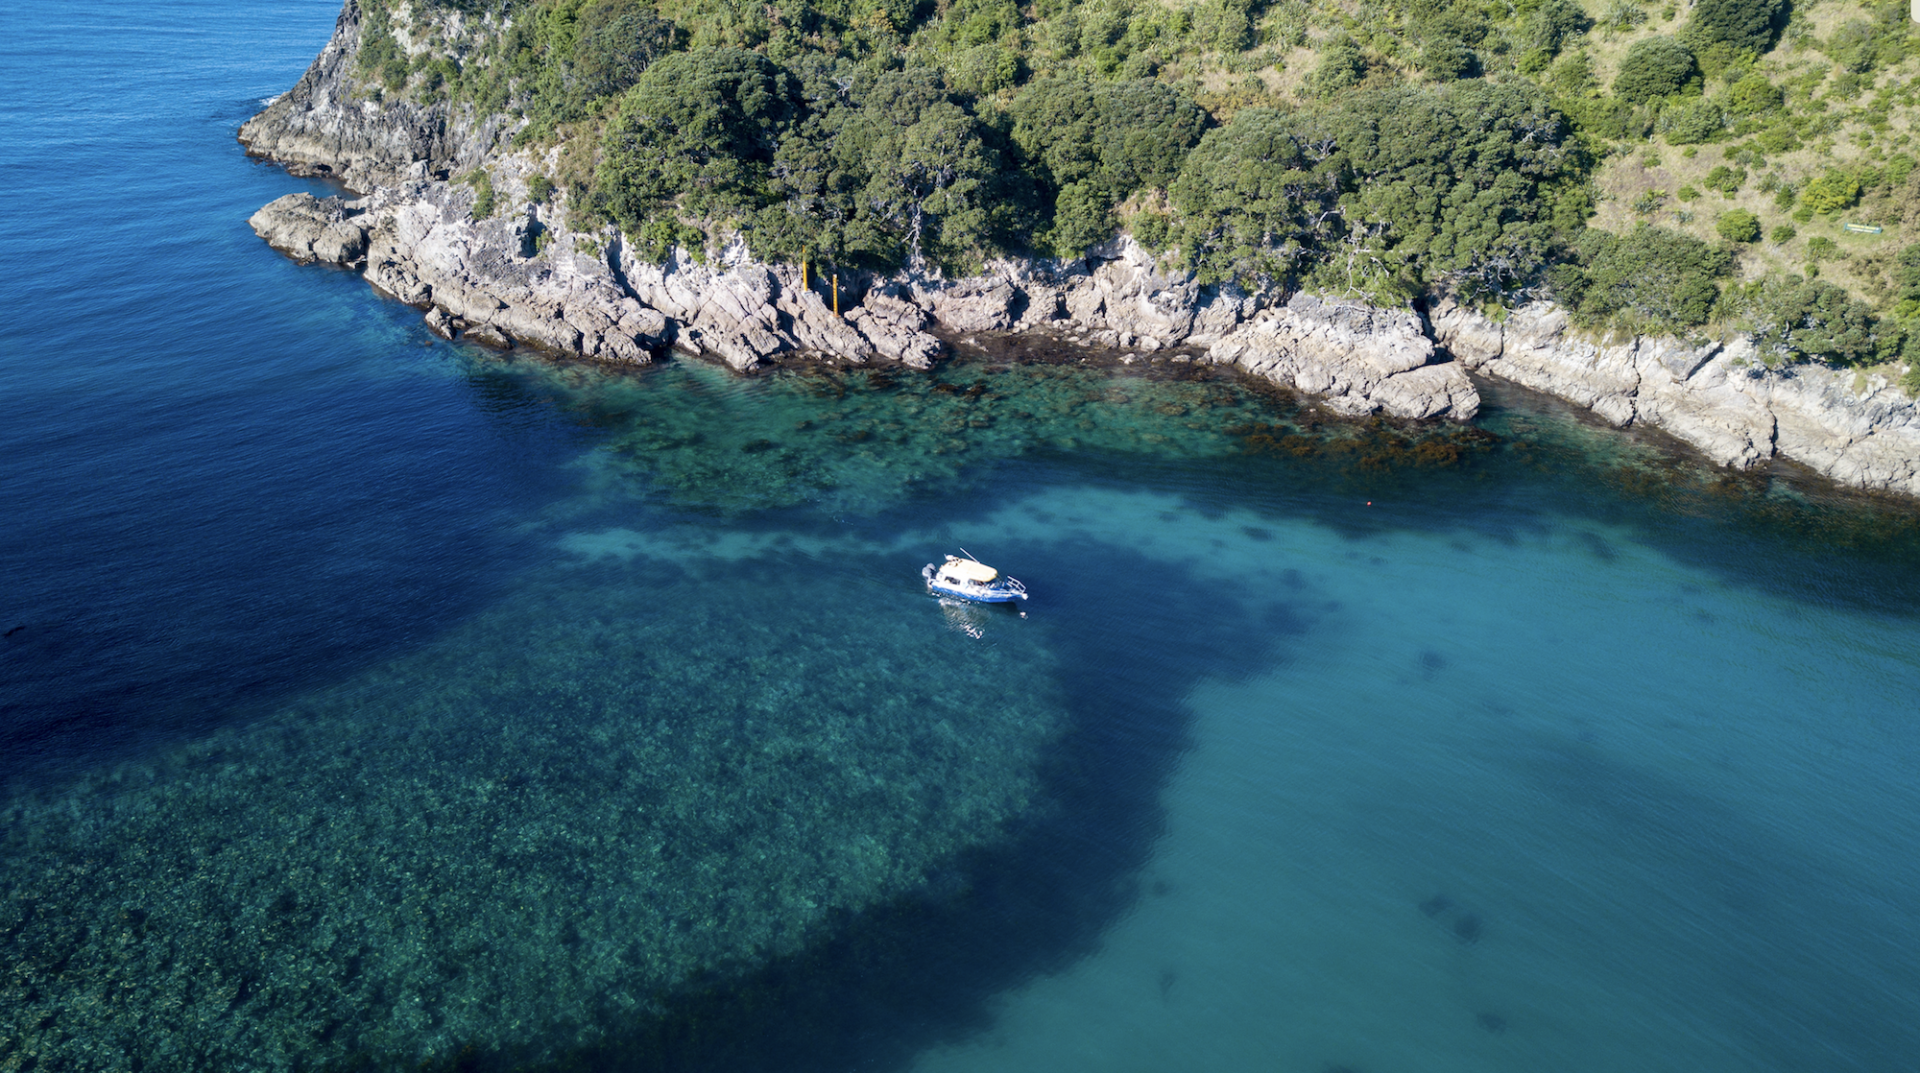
(537, 830)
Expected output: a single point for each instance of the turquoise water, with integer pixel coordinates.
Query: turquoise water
(366, 702)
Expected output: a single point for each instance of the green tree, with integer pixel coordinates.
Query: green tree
(1655, 67)
(929, 173)
(695, 137)
(1742, 26)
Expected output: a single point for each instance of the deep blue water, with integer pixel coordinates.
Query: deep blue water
(368, 699)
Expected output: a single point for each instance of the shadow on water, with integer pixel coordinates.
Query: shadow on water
(919, 972)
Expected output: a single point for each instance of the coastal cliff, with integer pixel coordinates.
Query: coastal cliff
(495, 259)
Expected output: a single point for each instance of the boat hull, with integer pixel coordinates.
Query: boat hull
(979, 596)
(1005, 591)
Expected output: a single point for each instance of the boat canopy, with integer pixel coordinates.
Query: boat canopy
(968, 570)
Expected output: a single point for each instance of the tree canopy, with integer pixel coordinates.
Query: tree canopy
(1655, 67)
(695, 136)
(1377, 149)
(1658, 279)
(1398, 189)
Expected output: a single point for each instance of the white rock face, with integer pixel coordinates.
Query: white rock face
(1719, 397)
(1360, 359)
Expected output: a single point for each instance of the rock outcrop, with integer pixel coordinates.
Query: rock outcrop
(1719, 396)
(328, 126)
(1360, 359)
(307, 228)
(530, 276)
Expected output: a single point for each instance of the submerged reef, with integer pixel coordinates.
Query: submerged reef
(619, 784)
(861, 439)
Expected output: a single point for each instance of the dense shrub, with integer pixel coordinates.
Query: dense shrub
(1832, 192)
(381, 58)
(1753, 94)
(1906, 274)
(1860, 46)
(696, 136)
(1093, 144)
(1341, 68)
(1739, 25)
(617, 40)
(1257, 199)
(1464, 185)
(1691, 122)
(1796, 320)
(1555, 23)
(883, 169)
(1727, 180)
(1655, 67)
(1649, 278)
(1738, 225)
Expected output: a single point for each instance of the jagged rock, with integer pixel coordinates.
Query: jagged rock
(814, 325)
(972, 305)
(308, 228)
(1720, 398)
(1358, 359)
(1427, 392)
(895, 328)
(440, 324)
(1135, 299)
(489, 336)
(526, 277)
(324, 127)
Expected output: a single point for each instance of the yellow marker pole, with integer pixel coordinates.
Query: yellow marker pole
(836, 292)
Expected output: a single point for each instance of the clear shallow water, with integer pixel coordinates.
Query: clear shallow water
(369, 701)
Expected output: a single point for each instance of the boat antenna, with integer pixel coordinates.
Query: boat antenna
(969, 554)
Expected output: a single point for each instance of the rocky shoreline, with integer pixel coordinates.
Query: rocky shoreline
(526, 277)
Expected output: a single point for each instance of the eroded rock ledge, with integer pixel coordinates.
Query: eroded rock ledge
(1858, 430)
(527, 280)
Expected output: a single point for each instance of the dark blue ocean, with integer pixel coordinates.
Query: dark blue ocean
(371, 702)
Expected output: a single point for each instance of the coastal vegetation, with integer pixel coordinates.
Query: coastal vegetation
(1722, 165)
